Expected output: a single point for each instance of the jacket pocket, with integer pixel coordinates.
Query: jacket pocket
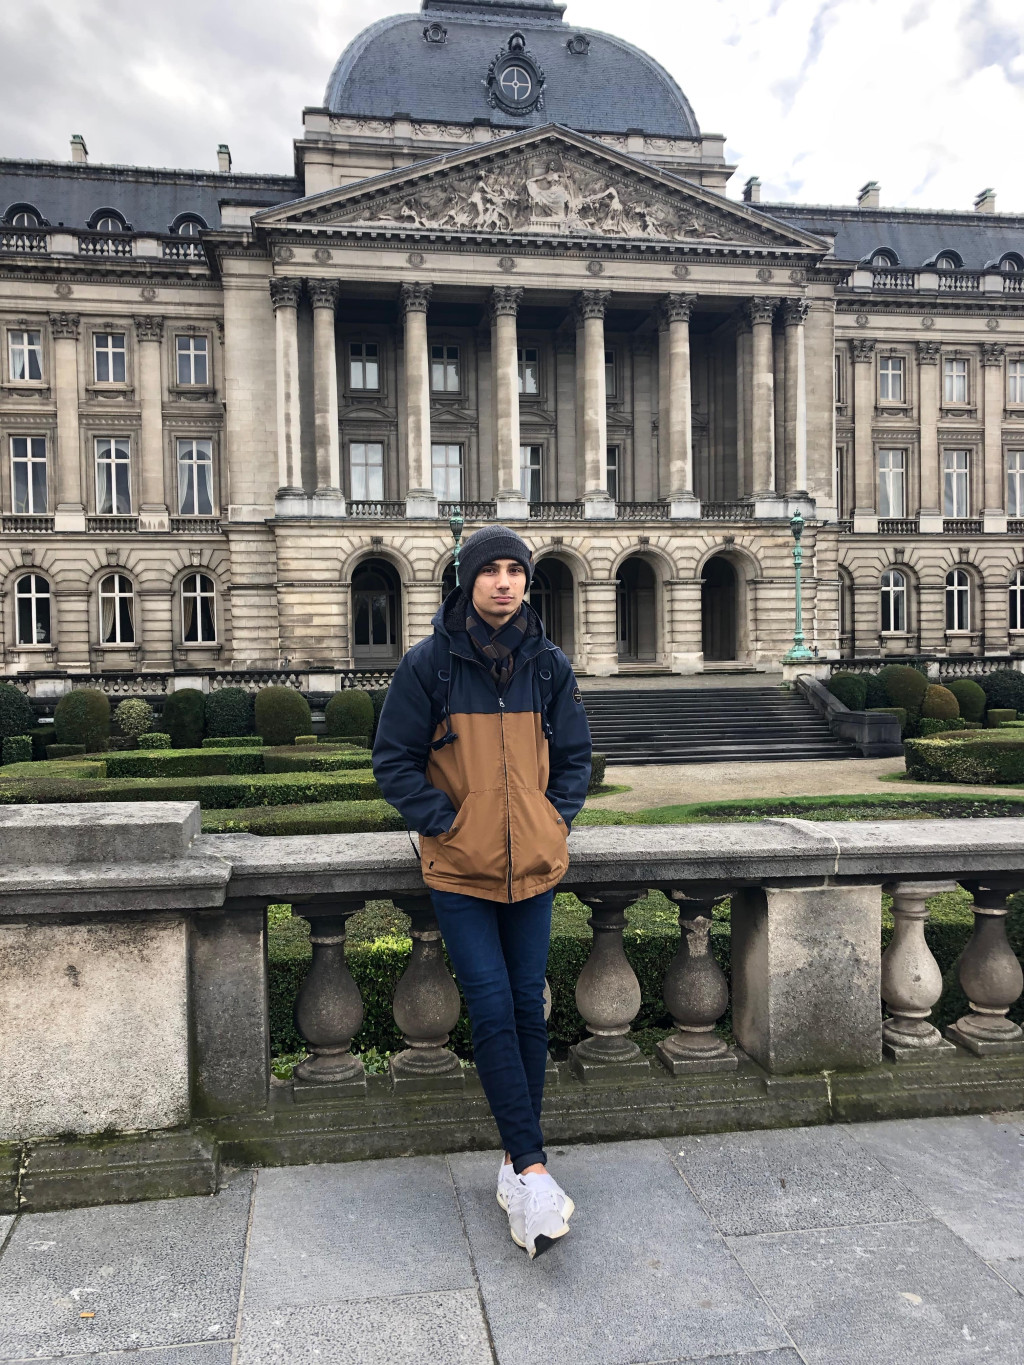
(539, 837)
(475, 849)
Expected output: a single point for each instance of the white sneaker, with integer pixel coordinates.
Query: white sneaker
(508, 1180)
(537, 1213)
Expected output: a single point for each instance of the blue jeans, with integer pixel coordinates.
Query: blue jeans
(500, 954)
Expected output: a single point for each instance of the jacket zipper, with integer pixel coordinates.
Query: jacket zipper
(508, 799)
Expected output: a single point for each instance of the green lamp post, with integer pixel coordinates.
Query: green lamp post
(456, 521)
(799, 652)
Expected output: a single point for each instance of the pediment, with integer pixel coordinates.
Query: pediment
(546, 182)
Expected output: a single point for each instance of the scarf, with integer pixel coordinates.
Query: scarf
(498, 647)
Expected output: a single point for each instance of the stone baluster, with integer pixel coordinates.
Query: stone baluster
(990, 977)
(329, 1008)
(607, 994)
(911, 978)
(426, 1004)
(696, 993)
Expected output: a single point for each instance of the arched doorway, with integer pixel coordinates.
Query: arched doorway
(376, 613)
(719, 595)
(636, 611)
(551, 596)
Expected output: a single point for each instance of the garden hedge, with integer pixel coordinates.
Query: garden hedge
(966, 756)
(231, 742)
(229, 712)
(155, 739)
(83, 717)
(931, 725)
(281, 713)
(1004, 688)
(598, 763)
(996, 716)
(970, 697)
(16, 714)
(329, 817)
(16, 749)
(184, 762)
(350, 713)
(323, 760)
(904, 686)
(849, 688)
(58, 751)
(184, 716)
(219, 792)
(900, 712)
(877, 697)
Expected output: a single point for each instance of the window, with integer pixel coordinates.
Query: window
(25, 218)
(529, 370)
(840, 466)
(446, 467)
(955, 499)
(1015, 483)
(892, 466)
(838, 379)
(611, 472)
(192, 354)
(113, 476)
(958, 600)
(1017, 600)
(117, 610)
(947, 261)
(25, 350)
(894, 600)
(890, 379)
(32, 609)
(366, 470)
(364, 365)
(609, 374)
(1015, 381)
(444, 369)
(110, 357)
(881, 260)
(198, 609)
(954, 380)
(189, 227)
(195, 478)
(530, 465)
(108, 224)
(28, 475)
(1010, 264)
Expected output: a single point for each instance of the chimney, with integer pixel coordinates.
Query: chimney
(752, 191)
(868, 196)
(224, 158)
(985, 202)
(79, 151)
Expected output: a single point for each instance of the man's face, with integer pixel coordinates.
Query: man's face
(498, 591)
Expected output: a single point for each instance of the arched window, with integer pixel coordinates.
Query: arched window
(198, 609)
(107, 220)
(23, 216)
(32, 609)
(376, 612)
(1016, 592)
(883, 260)
(188, 227)
(948, 260)
(958, 600)
(894, 600)
(117, 610)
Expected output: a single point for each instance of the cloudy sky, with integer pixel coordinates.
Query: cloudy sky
(815, 96)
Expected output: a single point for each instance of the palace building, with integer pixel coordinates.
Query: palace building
(238, 411)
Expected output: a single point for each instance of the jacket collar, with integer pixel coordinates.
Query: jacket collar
(450, 615)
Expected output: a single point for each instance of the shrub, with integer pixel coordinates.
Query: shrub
(939, 703)
(232, 742)
(229, 712)
(305, 740)
(932, 725)
(185, 763)
(900, 712)
(377, 696)
(83, 717)
(281, 714)
(286, 760)
(1004, 687)
(904, 686)
(155, 739)
(41, 736)
(850, 689)
(970, 697)
(133, 717)
(996, 716)
(968, 756)
(17, 749)
(877, 697)
(184, 716)
(350, 713)
(598, 763)
(16, 714)
(329, 817)
(64, 750)
(218, 792)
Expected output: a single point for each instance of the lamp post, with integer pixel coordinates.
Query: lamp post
(456, 521)
(799, 652)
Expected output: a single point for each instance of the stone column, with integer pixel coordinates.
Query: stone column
(744, 466)
(993, 502)
(69, 514)
(760, 312)
(684, 625)
(590, 307)
(291, 498)
(664, 443)
(930, 514)
(153, 514)
(511, 505)
(794, 314)
(677, 308)
(420, 501)
(328, 499)
(598, 650)
(865, 518)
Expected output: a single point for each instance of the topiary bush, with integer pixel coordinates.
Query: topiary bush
(905, 686)
(133, 717)
(64, 751)
(877, 697)
(350, 713)
(155, 739)
(16, 749)
(83, 717)
(969, 756)
(850, 689)
(232, 742)
(281, 713)
(229, 711)
(970, 698)
(939, 703)
(1004, 688)
(184, 717)
(598, 762)
(997, 717)
(304, 741)
(931, 725)
(16, 714)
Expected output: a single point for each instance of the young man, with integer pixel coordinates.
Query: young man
(484, 747)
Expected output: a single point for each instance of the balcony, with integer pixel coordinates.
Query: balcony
(104, 244)
(893, 279)
(23, 240)
(959, 282)
(471, 511)
(727, 511)
(556, 511)
(108, 525)
(195, 526)
(26, 525)
(182, 249)
(642, 511)
(385, 511)
(962, 526)
(897, 526)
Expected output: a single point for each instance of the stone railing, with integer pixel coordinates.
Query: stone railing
(727, 511)
(874, 734)
(472, 511)
(959, 282)
(182, 249)
(1013, 284)
(195, 526)
(383, 509)
(49, 685)
(897, 526)
(100, 244)
(557, 511)
(962, 526)
(26, 524)
(893, 279)
(938, 665)
(642, 511)
(112, 525)
(24, 240)
(139, 1060)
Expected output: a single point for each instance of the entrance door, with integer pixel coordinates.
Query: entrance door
(718, 614)
(635, 608)
(551, 597)
(376, 613)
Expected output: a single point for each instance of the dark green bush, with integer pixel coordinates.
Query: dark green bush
(184, 762)
(16, 749)
(598, 763)
(229, 711)
(184, 716)
(939, 703)
(931, 725)
(350, 713)
(329, 817)
(232, 742)
(281, 713)
(1004, 688)
(133, 717)
(41, 736)
(905, 686)
(997, 716)
(877, 696)
(16, 714)
(304, 741)
(216, 793)
(155, 739)
(377, 696)
(968, 756)
(64, 750)
(287, 760)
(900, 712)
(850, 689)
(83, 717)
(970, 697)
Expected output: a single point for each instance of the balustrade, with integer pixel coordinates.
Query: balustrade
(26, 525)
(22, 240)
(104, 246)
(911, 978)
(329, 1008)
(642, 511)
(959, 282)
(195, 526)
(897, 526)
(557, 511)
(726, 511)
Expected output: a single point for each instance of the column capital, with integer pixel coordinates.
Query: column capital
(863, 350)
(677, 307)
(992, 352)
(284, 293)
(928, 352)
(149, 327)
(65, 325)
(504, 301)
(760, 310)
(415, 296)
(323, 293)
(794, 311)
(590, 303)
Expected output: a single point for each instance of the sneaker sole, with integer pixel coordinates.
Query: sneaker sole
(541, 1244)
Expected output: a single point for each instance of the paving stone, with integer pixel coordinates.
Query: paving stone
(787, 1180)
(203, 1353)
(416, 1329)
(786, 1356)
(361, 1229)
(969, 1171)
(642, 1276)
(5, 1225)
(155, 1274)
(898, 1293)
(1012, 1271)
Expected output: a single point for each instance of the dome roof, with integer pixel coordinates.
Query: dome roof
(440, 66)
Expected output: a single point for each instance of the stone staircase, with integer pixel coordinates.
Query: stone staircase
(708, 725)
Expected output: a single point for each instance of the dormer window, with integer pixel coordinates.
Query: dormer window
(948, 260)
(188, 225)
(1011, 263)
(108, 220)
(883, 260)
(24, 218)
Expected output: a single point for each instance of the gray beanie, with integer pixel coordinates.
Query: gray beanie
(487, 544)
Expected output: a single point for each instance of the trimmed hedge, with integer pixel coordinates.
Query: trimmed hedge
(64, 750)
(598, 763)
(155, 739)
(900, 712)
(133, 717)
(966, 756)
(229, 712)
(83, 717)
(232, 742)
(281, 713)
(16, 749)
(931, 725)
(218, 793)
(939, 703)
(184, 716)
(997, 716)
(350, 713)
(850, 689)
(304, 741)
(329, 817)
(377, 696)
(1004, 688)
(970, 697)
(877, 697)
(185, 762)
(904, 686)
(327, 760)
(16, 714)
(41, 736)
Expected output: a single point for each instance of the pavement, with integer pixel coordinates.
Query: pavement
(896, 1243)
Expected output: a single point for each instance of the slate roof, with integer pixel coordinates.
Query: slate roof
(916, 236)
(390, 68)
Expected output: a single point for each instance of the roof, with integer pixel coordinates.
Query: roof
(391, 68)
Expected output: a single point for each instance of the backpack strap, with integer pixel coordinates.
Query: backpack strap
(441, 690)
(546, 679)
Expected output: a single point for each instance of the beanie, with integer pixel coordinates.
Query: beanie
(488, 544)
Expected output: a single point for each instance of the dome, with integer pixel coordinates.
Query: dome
(517, 64)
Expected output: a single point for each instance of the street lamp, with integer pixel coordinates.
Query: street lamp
(799, 652)
(456, 521)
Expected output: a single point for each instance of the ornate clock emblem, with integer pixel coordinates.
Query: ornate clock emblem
(514, 81)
